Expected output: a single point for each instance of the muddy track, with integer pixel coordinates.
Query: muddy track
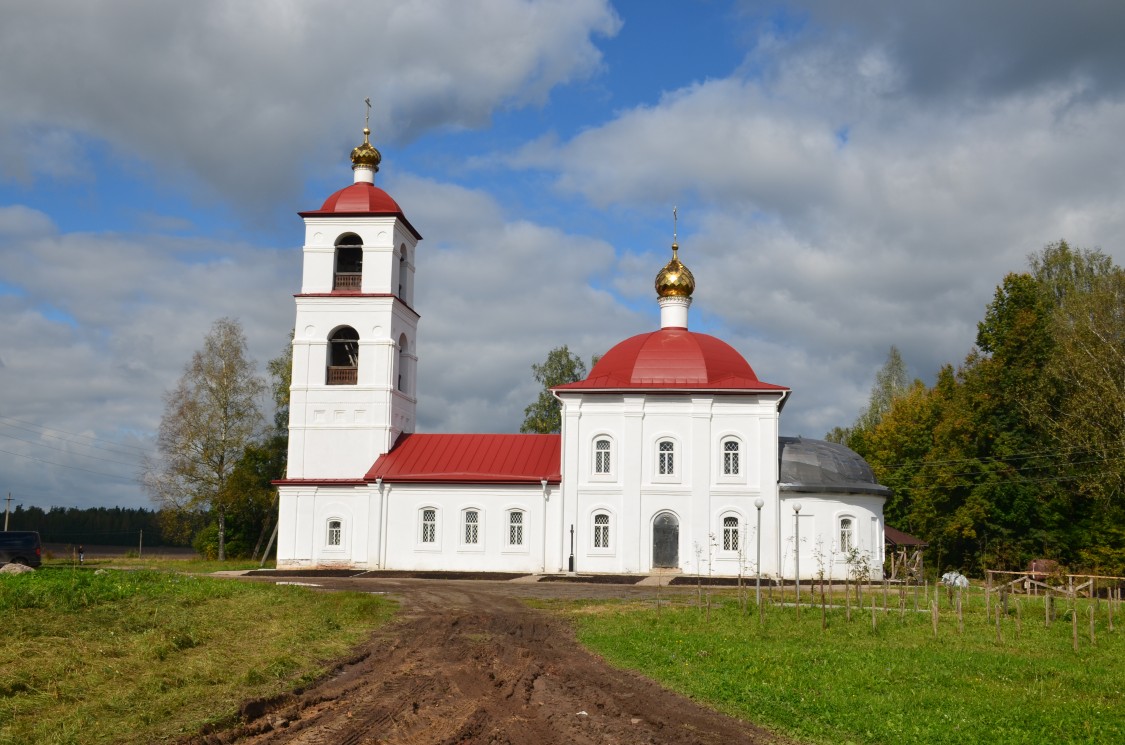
(467, 662)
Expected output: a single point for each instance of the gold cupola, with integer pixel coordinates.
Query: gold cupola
(366, 156)
(675, 279)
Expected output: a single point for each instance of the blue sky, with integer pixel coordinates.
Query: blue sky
(848, 177)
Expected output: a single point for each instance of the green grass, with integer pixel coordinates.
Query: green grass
(894, 685)
(143, 656)
(194, 564)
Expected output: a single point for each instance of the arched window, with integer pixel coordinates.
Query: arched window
(402, 273)
(470, 520)
(601, 530)
(429, 525)
(730, 533)
(666, 458)
(335, 533)
(349, 263)
(343, 357)
(403, 345)
(603, 452)
(732, 457)
(847, 535)
(515, 528)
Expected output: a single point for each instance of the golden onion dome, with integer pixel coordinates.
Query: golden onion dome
(675, 279)
(366, 154)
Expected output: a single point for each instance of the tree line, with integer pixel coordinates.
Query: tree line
(1018, 452)
(95, 526)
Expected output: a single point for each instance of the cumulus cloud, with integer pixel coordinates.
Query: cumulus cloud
(237, 97)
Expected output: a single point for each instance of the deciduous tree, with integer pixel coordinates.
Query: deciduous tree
(209, 420)
(544, 416)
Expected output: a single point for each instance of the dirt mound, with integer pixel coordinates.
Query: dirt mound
(471, 664)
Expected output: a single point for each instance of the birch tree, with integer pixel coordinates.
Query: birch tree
(209, 420)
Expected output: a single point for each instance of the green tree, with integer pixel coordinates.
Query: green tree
(891, 382)
(209, 420)
(544, 416)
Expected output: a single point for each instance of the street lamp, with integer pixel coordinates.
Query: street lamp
(797, 552)
(759, 503)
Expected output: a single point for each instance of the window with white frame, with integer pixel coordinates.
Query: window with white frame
(515, 528)
(847, 535)
(730, 533)
(666, 458)
(732, 457)
(471, 524)
(601, 530)
(603, 451)
(335, 533)
(429, 525)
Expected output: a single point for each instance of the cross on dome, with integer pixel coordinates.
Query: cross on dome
(365, 158)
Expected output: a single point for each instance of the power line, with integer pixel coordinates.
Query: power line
(73, 468)
(46, 432)
(68, 452)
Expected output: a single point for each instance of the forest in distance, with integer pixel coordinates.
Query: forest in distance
(92, 526)
(1018, 452)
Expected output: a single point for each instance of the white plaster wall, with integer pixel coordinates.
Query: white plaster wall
(819, 532)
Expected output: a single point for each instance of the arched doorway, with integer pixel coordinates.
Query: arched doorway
(666, 541)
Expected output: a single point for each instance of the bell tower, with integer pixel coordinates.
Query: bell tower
(355, 337)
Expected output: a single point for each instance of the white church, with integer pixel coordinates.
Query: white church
(669, 459)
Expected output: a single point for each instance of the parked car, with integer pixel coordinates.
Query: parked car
(21, 547)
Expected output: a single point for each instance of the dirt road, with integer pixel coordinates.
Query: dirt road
(467, 662)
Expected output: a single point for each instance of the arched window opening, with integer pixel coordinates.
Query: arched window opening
(515, 528)
(349, 263)
(666, 458)
(472, 527)
(343, 357)
(403, 345)
(847, 535)
(429, 525)
(601, 530)
(402, 273)
(732, 460)
(602, 452)
(730, 533)
(335, 533)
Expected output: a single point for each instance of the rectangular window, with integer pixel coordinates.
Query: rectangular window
(335, 533)
(667, 459)
(429, 526)
(847, 535)
(515, 528)
(472, 527)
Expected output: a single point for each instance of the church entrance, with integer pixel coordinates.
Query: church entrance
(666, 541)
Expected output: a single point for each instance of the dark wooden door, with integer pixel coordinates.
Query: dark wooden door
(666, 541)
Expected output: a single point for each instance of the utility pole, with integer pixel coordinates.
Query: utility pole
(7, 511)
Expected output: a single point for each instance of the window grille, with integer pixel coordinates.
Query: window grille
(515, 528)
(472, 527)
(847, 535)
(731, 458)
(429, 526)
(667, 459)
(335, 533)
(601, 456)
(730, 533)
(601, 530)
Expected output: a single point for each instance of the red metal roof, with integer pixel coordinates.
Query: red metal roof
(507, 459)
(361, 198)
(672, 358)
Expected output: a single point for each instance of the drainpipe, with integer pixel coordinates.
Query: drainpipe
(382, 561)
(546, 499)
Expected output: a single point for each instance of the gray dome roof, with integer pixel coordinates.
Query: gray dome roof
(820, 466)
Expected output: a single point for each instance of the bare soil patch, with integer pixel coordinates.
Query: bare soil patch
(467, 662)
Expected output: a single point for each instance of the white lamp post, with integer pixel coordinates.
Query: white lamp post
(759, 503)
(797, 551)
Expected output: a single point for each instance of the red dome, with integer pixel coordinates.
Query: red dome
(672, 358)
(358, 199)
